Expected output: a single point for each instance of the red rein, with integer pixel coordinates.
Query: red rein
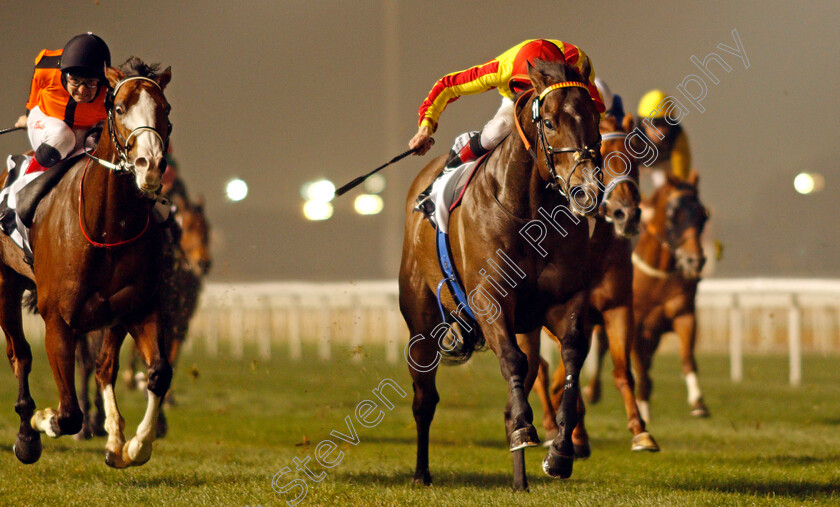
(82, 227)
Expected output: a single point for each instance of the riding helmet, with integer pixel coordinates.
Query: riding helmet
(85, 55)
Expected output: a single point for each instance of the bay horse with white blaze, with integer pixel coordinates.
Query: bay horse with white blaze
(512, 211)
(97, 259)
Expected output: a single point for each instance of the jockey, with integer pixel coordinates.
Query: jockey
(674, 155)
(67, 97)
(509, 74)
(613, 102)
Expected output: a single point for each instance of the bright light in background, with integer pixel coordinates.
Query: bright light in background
(236, 189)
(367, 204)
(320, 190)
(375, 184)
(808, 183)
(317, 210)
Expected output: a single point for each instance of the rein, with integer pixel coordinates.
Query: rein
(82, 226)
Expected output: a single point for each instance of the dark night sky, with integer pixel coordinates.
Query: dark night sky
(282, 92)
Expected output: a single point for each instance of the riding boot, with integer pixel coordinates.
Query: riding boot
(7, 217)
(467, 147)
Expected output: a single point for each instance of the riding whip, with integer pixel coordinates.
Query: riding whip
(6, 131)
(358, 181)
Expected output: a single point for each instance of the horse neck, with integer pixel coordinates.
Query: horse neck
(519, 186)
(112, 203)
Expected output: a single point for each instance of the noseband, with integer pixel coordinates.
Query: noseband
(582, 155)
(122, 144)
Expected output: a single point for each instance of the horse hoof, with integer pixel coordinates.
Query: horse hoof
(583, 451)
(524, 437)
(114, 460)
(556, 465)
(699, 409)
(644, 442)
(423, 478)
(28, 450)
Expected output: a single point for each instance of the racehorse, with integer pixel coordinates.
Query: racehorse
(190, 261)
(517, 210)
(611, 296)
(667, 263)
(97, 255)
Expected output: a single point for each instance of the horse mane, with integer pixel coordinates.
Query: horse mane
(135, 67)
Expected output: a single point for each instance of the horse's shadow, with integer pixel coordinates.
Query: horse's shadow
(466, 479)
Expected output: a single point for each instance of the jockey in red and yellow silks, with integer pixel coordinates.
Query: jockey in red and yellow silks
(509, 74)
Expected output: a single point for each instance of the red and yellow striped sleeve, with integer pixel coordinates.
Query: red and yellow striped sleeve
(476, 79)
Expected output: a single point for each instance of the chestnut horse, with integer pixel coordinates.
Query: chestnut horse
(513, 220)
(190, 262)
(611, 297)
(667, 263)
(97, 259)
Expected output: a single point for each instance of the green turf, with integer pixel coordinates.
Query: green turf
(240, 422)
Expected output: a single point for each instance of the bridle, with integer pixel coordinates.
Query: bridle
(616, 181)
(121, 145)
(582, 155)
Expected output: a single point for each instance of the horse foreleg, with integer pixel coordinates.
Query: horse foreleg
(149, 338)
(107, 365)
(619, 325)
(549, 412)
(85, 364)
(27, 448)
(60, 342)
(643, 348)
(575, 345)
(592, 391)
(686, 327)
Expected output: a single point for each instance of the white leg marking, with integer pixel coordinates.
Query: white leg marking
(644, 411)
(114, 422)
(694, 393)
(140, 447)
(43, 421)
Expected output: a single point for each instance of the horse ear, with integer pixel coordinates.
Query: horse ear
(673, 180)
(198, 202)
(693, 178)
(538, 78)
(113, 75)
(164, 78)
(628, 123)
(585, 70)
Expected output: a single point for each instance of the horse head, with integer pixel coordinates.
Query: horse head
(138, 121)
(678, 220)
(195, 236)
(564, 124)
(620, 205)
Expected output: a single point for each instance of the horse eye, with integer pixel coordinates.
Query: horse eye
(119, 110)
(548, 124)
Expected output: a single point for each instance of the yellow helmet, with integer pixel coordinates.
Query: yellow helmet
(649, 103)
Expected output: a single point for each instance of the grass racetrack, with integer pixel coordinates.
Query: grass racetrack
(239, 422)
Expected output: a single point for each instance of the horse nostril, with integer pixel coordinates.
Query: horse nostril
(619, 215)
(141, 163)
